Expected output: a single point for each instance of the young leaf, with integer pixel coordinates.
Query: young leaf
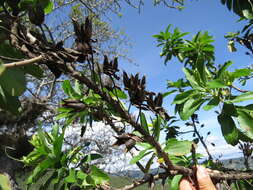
(67, 88)
(141, 155)
(144, 123)
(98, 175)
(228, 128)
(157, 127)
(224, 68)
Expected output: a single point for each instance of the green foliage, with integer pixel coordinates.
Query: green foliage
(240, 7)
(207, 84)
(48, 155)
(4, 182)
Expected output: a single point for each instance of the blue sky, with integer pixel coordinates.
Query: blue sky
(209, 16)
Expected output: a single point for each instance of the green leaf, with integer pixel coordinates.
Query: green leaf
(182, 97)
(67, 88)
(8, 102)
(243, 97)
(13, 81)
(178, 148)
(215, 84)
(175, 182)
(44, 143)
(223, 68)
(45, 184)
(168, 93)
(228, 128)
(190, 106)
(246, 122)
(57, 145)
(71, 178)
(78, 87)
(5, 183)
(157, 128)
(2, 68)
(81, 175)
(98, 175)
(118, 93)
(91, 157)
(34, 70)
(241, 73)
(229, 109)
(191, 78)
(49, 7)
(211, 104)
(144, 123)
(8, 51)
(39, 170)
(141, 155)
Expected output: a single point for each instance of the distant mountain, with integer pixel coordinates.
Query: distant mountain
(234, 163)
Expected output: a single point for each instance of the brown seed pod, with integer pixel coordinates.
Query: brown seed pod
(36, 15)
(87, 28)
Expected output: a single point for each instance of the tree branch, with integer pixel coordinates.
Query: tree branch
(25, 62)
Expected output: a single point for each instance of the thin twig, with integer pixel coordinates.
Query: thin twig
(9, 58)
(201, 140)
(25, 62)
(238, 89)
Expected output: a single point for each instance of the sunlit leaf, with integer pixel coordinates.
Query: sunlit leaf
(182, 97)
(246, 122)
(243, 97)
(211, 104)
(215, 84)
(141, 155)
(190, 106)
(178, 148)
(98, 175)
(71, 178)
(175, 182)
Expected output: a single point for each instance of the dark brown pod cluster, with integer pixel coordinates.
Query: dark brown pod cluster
(135, 87)
(111, 67)
(36, 15)
(247, 148)
(83, 34)
(127, 139)
(76, 105)
(155, 105)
